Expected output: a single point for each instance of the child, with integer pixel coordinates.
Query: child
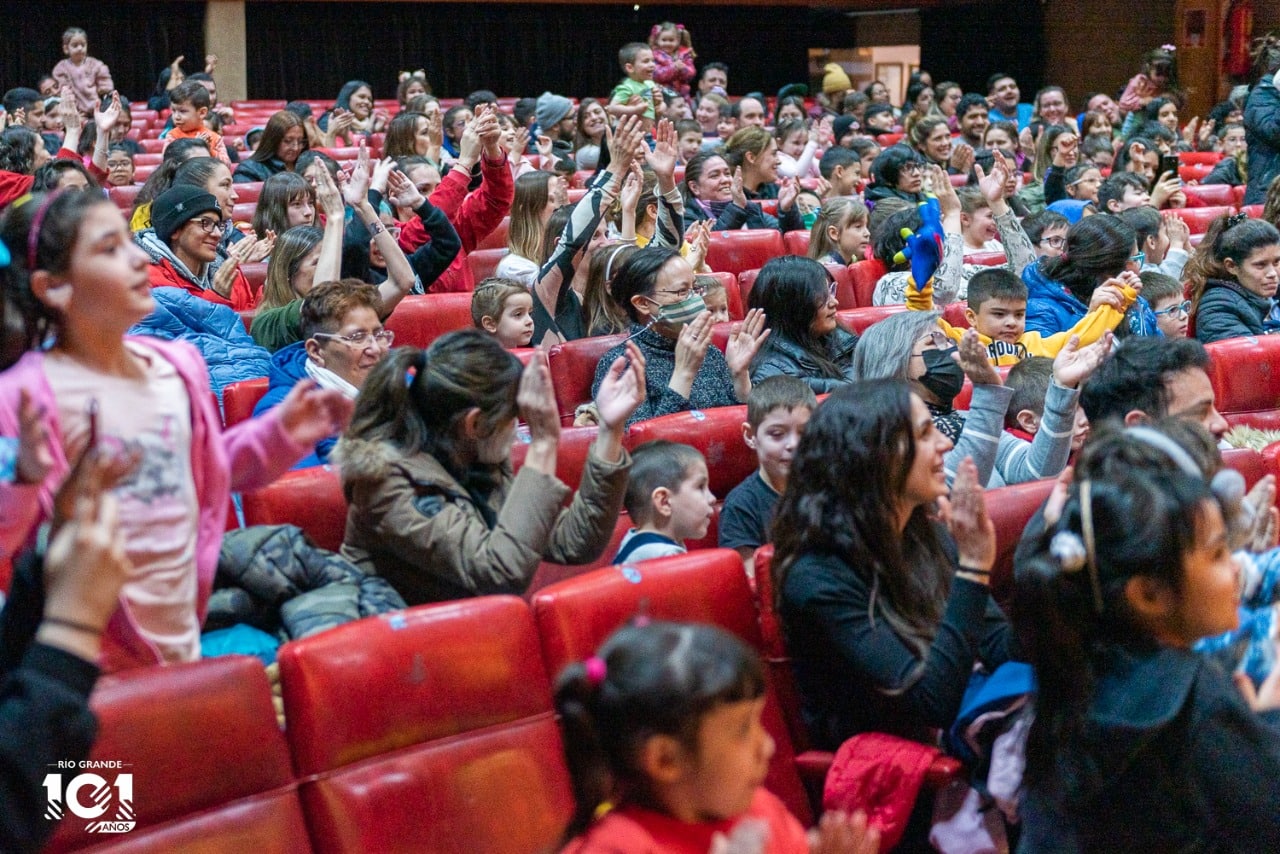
(998, 311)
(190, 104)
(1097, 151)
(840, 234)
(88, 78)
(634, 96)
(777, 411)
(977, 223)
(1164, 241)
(842, 169)
(1168, 303)
(76, 278)
(797, 149)
(1121, 191)
(665, 744)
(120, 168)
(726, 125)
(1082, 182)
(688, 139)
(1139, 743)
(1030, 380)
(504, 309)
(668, 500)
(714, 296)
(1047, 231)
(673, 57)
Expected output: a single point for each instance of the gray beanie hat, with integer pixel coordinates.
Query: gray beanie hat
(551, 109)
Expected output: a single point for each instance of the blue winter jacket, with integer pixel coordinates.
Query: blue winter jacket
(1051, 308)
(215, 330)
(288, 368)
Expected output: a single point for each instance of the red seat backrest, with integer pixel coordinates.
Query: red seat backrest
(1010, 508)
(1253, 211)
(124, 196)
(422, 318)
(1199, 219)
(210, 767)
(153, 145)
(1194, 171)
(1245, 379)
(796, 242)
(147, 158)
(249, 191)
(988, 259)
(429, 729)
(747, 249)
(774, 651)
(1250, 463)
(710, 586)
(747, 281)
(496, 239)
(861, 319)
(571, 454)
(239, 399)
(769, 206)
(573, 370)
(243, 211)
(865, 275)
(484, 262)
(1189, 158)
(1237, 194)
(716, 433)
(1211, 194)
(843, 275)
(954, 314)
(310, 498)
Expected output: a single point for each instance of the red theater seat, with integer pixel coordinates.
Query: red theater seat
(1253, 211)
(124, 196)
(239, 399)
(796, 242)
(710, 586)
(571, 455)
(747, 281)
(248, 192)
(496, 239)
(987, 259)
(865, 275)
(845, 296)
(243, 211)
(1199, 158)
(1194, 171)
(573, 370)
(422, 318)
(1211, 194)
(748, 249)
(716, 433)
(152, 145)
(861, 319)
(210, 768)
(429, 729)
(484, 262)
(1010, 508)
(1245, 373)
(1199, 219)
(1250, 463)
(309, 498)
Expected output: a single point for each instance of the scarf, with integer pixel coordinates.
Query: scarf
(327, 379)
(948, 421)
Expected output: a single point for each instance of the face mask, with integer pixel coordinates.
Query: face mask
(680, 313)
(809, 219)
(943, 376)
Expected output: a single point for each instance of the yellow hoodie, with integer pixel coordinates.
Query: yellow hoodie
(1090, 328)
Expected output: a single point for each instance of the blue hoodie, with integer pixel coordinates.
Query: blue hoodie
(1051, 308)
(288, 368)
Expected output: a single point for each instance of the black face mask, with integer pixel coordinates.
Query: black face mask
(943, 375)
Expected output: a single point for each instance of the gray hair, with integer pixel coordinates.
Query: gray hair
(884, 351)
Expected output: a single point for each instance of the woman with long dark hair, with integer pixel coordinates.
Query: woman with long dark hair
(797, 296)
(282, 143)
(1063, 289)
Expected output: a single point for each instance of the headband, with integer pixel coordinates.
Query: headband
(37, 222)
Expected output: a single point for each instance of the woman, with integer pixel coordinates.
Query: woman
(1234, 278)
(946, 98)
(589, 146)
(707, 114)
(931, 138)
(672, 328)
(885, 610)
(797, 296)
(287, 200)
(1057, 151)
(426, 469)
(753, 153)
(529, 214)
(1050, 108)
(1233, 168)
(411, 135)
(353, 112)
(919, 103)
(712, 191)
(897, 173)
(1062, 290)
(1262, 122)
(283, 141)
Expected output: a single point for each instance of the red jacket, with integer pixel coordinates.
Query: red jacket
(881, 775)
(165, 275)
(14, 185)
(474, 216)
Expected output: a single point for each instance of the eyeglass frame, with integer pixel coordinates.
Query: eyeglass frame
(700, 290)
(208, 226)
(383, 337)
(1060, 238)
(1179, 308)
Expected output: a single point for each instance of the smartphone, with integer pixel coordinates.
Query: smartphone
(1168, 163)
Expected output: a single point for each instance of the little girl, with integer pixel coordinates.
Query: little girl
(797, 149)
(74, 281)
(840, 234)
(88, 78)
(673, 56)
(1140, 744)
(504, 309)
(667, 751)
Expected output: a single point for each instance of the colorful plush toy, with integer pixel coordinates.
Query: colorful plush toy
(924, 247)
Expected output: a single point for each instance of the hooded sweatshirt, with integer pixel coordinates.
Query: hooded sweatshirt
(167, 271)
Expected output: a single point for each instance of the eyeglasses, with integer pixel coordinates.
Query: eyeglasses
(1139, 259)
(1181, 309)
(685, 293)
(938, 340)
(360, 338)
(911, 169)
(208, 226)
(1054, 242)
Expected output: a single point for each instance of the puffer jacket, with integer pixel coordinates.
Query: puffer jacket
(782, 356)
(411, 522)
(288, 368)
(1226, 310)
(215, 330)
(1050, 306)
(272, 578)
(1262, 133)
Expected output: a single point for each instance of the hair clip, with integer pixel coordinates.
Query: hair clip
(410, 373)
(595, 669)
(1235, 219)
(1068, 550)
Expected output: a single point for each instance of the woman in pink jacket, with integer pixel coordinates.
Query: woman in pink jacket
(75, 281)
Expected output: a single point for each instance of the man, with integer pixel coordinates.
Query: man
(972, 112)
(1003, 95)
(557, 119)
(1101, 102)
(749, 112)
(714, 78)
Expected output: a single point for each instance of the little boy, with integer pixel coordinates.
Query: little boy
(189, 102)
(1121, 191)
(668, 500)
(1030, 380)
(998, 310)
(688, 139)
(634, 96)
(1047, 231)
(714, 297)
(504, 309)
(778, 410)
(1170, 307)
(1163, 240)
(842, 168)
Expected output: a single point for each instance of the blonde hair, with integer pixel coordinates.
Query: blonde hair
(490, 298)
(841, 212)
(524, 234)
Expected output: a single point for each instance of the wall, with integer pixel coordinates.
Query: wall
(1097, 45)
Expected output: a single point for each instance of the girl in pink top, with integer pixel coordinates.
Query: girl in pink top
(75, 281)
(668, 754)
(87, 77)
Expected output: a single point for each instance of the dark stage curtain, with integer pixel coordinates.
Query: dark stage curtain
(968, 43)
(135, 40)
(309, 49)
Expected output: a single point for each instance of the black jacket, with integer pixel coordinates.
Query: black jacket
(783, 356)
(1185, 765)
(1227, 310)
(250, 170)
(734, 217)
(1262, 133)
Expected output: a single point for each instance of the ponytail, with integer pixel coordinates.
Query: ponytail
(1233, 236)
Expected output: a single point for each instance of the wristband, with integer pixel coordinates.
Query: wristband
(973, 570)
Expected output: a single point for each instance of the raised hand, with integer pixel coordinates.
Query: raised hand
(838, 833)
(327, 194)
(519, 143)
(544, 147)
(699, 238)
(1075, 364)
(210, 63)
(68, 111)
(691, 347)
(993, 185)
(962, 157)
(402, 192)
(381, 170)
(788, 189)
(622, 390)
(262, 248)
(948, 201)
(739, 195)
(105, 120)
(973, 360)
(310, 413)
(35, 448)
(662, 159)
(356, 191)
(470, 144)
(745, 339)
(631, 187)
(967, 519)
(625, 143)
